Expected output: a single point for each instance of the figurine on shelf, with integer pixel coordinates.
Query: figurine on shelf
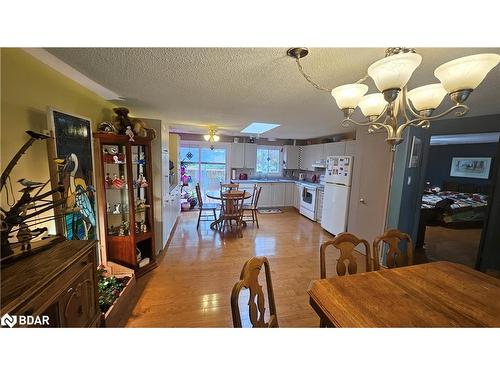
(108, 181)
(118, 182)
(142, 158)
(134, 184)
(108, 207)
(116, 208)
(130, 134)
(137, 227)
(144, 228)
(141, 204)
(138, 254)
(112, 150)
(141, 181)
(121, 231)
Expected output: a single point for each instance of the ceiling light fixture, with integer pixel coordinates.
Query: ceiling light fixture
(211, 137)
(395, 108)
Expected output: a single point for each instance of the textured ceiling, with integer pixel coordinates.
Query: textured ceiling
(192, 88)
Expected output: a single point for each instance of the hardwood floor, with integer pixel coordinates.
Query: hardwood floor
(192, 285)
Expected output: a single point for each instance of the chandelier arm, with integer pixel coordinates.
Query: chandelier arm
(461, 109)
(362, 79)
(349, 121)
(405, 104)
(415, 122)
(308, 77)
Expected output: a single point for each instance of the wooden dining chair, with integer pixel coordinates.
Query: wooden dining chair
(346, 243)
(211, 207)
(253, 207)
(394, 257)
(232, 210)
(249, 279)
(230, 186)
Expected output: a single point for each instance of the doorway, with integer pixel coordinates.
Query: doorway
(456, 197)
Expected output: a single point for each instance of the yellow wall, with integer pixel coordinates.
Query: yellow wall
(28, 87)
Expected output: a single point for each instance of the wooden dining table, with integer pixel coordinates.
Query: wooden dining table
(217, 196)
(438, 294)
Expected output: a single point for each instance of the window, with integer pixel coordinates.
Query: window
(268, 161)
(205, 166)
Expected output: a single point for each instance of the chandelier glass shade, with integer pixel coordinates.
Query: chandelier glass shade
(427, 97)
(348, 96)
(372, 105)
(466, 73)
(211, 136)
(394, 72)
(395, 108)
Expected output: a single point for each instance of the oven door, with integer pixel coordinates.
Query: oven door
(308, 198)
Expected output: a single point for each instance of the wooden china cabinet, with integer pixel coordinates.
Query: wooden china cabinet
(126, 203)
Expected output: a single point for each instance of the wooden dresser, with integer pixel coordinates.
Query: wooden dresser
(60, 283)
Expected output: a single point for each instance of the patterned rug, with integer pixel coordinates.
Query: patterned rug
(270, 211)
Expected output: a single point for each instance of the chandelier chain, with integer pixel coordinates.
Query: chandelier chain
(314, 84)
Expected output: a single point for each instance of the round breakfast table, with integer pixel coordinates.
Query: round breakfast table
(217, 196)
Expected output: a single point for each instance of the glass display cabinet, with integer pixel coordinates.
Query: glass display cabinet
(126, 200)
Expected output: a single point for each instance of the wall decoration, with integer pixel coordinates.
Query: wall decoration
(73, 143)
(416, 153)
(470, 167)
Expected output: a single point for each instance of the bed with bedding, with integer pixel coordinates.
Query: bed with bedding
(453, 209)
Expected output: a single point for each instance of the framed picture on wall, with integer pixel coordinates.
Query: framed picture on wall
(470, 167)
(72, 146)
(416, 152)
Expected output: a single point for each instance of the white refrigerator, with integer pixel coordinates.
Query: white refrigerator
(338, 178)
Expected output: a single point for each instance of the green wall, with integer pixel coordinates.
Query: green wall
(28, 87)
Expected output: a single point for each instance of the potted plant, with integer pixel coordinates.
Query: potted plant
(193, 201)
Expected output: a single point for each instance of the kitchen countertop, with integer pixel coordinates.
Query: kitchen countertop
(278, 180)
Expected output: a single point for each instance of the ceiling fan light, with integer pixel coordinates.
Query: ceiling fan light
(348, 96)
(394, 72)
(372, 104)
(216, 138)
(466, 73)
(427, 97)
(206, 137)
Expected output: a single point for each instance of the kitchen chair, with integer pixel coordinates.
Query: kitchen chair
(229, 186)
(249, 279)
(346, 243)
(394, 256)
(253, 207)
(205, 207)
(232, 209)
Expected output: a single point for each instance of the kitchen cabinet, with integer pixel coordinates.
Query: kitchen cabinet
(319, 204)
(350, 148)
(250, 155)
(266, 195)
(318, 154)
(237, 155)
(289, 194)
(311, 154)
(296, 196)
(291, 157)
(278, 195)
(335, 149)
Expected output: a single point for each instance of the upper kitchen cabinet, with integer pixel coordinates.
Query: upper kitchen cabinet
(237, 155)
(350, 148)
(250, 155)
(291, 157)
(311, 154)
(243, 155)
(335, 149)
(318, 154)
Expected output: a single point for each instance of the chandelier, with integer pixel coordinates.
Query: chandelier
(395, 108)
(211, 137)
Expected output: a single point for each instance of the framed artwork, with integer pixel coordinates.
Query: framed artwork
(470, 167)
(73, 143)
(416, 152)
